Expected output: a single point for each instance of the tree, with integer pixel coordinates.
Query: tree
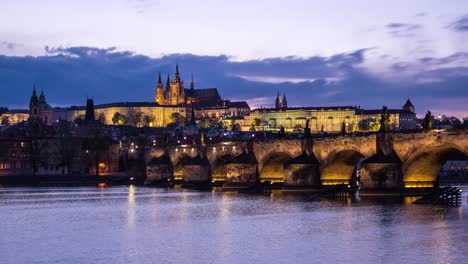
(3, 110)
(176, 120)
(252, 127)
(364, 125)
(118, 119)
(134, 117)
(5, 121)
(148, 119)
(234, 126)
(102, 118)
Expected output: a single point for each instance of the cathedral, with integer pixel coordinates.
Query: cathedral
(281, 103)
(175, 93)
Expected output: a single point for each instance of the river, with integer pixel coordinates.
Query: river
(132, 224)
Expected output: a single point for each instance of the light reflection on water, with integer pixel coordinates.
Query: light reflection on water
(148, 225)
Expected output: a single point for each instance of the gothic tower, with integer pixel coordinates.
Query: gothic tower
(34, 104)
(176, 93)
(278, 102)
(409, 107)
(159, 92)
(284, 102)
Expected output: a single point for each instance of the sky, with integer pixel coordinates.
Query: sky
(320, 53)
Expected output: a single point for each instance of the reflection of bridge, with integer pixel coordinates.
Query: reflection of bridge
(386, 161)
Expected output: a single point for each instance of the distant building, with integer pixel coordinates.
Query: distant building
(281, 103)
(14, 116)
(293, 119)
(176, 94)
(400, 119)
(39, 109)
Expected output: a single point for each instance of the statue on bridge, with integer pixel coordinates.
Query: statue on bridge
(384, 120)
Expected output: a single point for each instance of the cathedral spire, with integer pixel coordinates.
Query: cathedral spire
(42, 97)
(278, 101)
(284, 102)
(168, 83)
(177, 76)
(159, 78)
(34, 95)
(192, 84)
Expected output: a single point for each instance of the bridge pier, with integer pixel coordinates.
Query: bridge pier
(302, 172)
(242, 171)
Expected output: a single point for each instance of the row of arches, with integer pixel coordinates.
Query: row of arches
(421, 169)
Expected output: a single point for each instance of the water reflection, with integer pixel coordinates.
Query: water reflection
(131, 208)
(146, 225)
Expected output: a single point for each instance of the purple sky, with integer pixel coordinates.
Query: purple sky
(366, 53)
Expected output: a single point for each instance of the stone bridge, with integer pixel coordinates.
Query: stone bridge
(384, 161)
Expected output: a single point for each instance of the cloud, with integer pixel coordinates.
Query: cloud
(402, 30)
(141, 6)
(69, 75)
(460, 24)
(9, 45)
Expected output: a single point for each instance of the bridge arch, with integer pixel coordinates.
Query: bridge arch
(423, 166)
(340, 166)
(177, 165)
(272, 168)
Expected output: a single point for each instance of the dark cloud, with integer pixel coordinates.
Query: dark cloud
(8, 45)
(69, 75)
(460, 24)
(402, 29)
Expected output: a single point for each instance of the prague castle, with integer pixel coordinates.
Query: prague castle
(326, 119)
(173, 103)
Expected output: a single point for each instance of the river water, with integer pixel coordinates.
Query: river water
(147, 225)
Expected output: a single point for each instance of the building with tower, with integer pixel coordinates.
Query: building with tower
(281, 103)
(175, 93)
(39, 110)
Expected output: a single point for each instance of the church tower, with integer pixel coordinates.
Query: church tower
(34, 104)
(176, 92)
(409, 107)
(278, 104)
(284, 102)
(159, 98)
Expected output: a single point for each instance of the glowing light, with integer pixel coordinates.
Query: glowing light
(102, 185)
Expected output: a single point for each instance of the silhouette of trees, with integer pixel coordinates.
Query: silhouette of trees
(119, 119)
(5, 121)
(134, 117)
(148, 120)
(176, 120)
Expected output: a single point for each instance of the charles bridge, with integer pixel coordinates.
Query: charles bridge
(382, 161)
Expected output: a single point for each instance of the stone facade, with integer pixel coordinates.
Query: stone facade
(159, 169)
(196, 170)
(160, 116)
(381, 175)
(242, 171)
(302, 171)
